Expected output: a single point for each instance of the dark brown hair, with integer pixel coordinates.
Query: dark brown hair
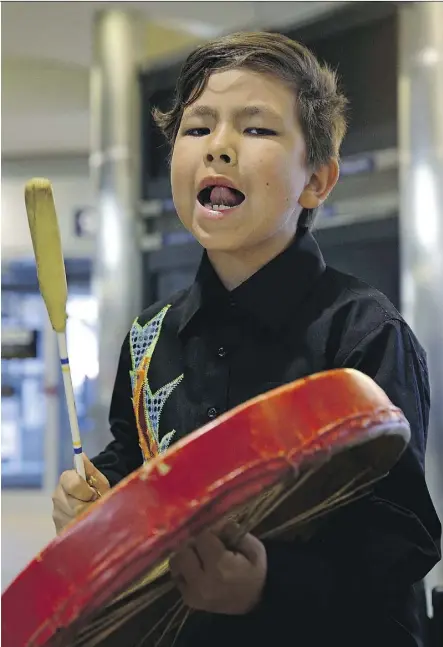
(320, 104)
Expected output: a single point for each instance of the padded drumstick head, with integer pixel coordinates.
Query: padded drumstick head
(45, 235)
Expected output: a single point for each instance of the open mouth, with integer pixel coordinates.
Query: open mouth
(220, 198)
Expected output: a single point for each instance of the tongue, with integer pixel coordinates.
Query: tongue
(226, 196)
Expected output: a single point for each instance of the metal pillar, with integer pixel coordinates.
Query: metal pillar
(421, 208)
(114, 161)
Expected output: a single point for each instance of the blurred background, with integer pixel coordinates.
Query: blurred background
(79, 80)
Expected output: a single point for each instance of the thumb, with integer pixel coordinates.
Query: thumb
(230, 533)
(252, 548)
(94, 477)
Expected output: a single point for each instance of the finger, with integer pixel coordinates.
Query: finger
(95, 478)
(66, 509)
(230, 534)
(78, 507)
(73, 484)
(220, 525)
(60, 522)
(187, 565)
(60, 501)
(68, 505)
(181, 585)
(252, 548)
(210, 549)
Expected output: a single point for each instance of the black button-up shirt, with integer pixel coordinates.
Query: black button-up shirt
(355, 582)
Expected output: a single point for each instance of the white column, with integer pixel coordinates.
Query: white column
(421, 208)
(115, 170)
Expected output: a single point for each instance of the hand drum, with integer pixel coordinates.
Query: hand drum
(276, 464)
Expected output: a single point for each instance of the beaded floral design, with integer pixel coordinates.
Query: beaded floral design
(147, 405)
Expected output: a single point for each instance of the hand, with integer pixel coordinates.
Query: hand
(73, 495)
(217, 580)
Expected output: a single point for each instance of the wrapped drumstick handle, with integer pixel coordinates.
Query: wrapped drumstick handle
(45, 235)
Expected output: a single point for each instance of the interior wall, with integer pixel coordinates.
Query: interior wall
(45, 103)
(72, 191)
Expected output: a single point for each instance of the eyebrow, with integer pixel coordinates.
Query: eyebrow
(245, 111)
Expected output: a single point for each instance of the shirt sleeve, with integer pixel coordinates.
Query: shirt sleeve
(123, 454)
(354, 580)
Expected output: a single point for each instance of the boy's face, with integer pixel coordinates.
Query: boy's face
(242, 128)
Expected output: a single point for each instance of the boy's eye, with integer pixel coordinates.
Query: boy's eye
(257, 132)
(196, 132)
(261, 132)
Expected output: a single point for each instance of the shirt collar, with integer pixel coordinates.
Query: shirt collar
(270, 295)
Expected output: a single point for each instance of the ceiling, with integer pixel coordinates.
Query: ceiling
(47, 52)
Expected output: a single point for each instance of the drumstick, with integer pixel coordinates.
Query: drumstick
(51, 274)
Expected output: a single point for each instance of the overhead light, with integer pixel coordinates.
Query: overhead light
(193, 27)
(428, 56)
(426, 207)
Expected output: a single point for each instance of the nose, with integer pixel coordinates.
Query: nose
(225, 154)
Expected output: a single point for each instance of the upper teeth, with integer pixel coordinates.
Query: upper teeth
(218, 207)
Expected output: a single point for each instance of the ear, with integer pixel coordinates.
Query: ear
(320, 185)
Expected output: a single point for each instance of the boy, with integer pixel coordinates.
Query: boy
(255, 130)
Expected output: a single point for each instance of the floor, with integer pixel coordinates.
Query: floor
(26, 527)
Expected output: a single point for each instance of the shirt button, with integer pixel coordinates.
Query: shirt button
(232, 303)
(212, 413)
(221, 352)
